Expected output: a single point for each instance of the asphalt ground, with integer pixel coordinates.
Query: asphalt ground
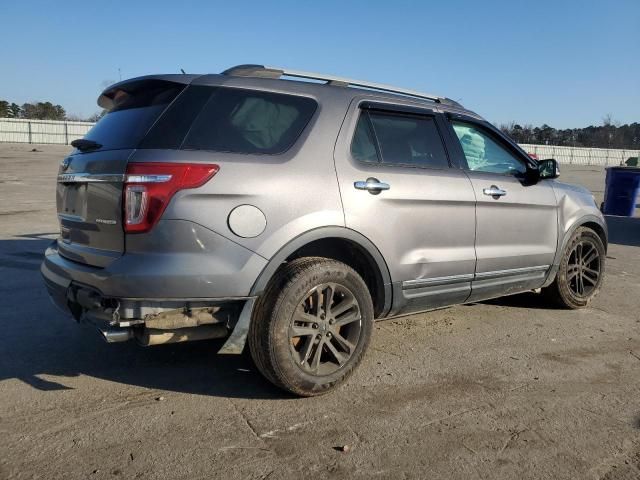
(497, 390)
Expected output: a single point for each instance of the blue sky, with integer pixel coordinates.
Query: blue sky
(566, 63)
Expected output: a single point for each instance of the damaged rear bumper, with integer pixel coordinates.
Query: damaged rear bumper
(151, 321)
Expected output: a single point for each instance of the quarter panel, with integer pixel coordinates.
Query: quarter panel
(574, 204)
(296, 191)
(576, 207)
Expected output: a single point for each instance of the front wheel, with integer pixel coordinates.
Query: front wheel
(312, 326)
(581, 271)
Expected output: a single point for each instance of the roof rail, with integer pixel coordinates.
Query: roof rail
(262, 71)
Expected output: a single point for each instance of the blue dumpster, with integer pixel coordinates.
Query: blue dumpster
(621, 191)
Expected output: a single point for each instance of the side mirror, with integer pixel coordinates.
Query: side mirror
(548, 168)
(531, 176)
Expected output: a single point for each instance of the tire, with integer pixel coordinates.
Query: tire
(298, 344)
(566, 291)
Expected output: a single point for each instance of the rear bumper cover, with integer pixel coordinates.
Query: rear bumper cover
(212, 267)
(57, 286)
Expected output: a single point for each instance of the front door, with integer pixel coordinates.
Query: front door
(399, 190)
(517, 224)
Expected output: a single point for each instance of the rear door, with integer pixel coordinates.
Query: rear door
(517, 223)
(422, 219)
(90, 180)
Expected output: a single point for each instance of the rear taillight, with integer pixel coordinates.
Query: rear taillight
(148, 188)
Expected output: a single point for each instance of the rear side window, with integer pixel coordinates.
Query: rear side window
(398, 139)
(232, 120)
(135, 110)
(363, 146)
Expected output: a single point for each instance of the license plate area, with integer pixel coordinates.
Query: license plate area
(74, 201)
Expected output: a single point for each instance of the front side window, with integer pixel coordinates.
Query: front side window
(398, 139)
(484, 154)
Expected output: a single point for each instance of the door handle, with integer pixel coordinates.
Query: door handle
(494, 191)
(373, 185)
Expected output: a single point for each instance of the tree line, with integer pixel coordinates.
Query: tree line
(40, 111)
(608, 135)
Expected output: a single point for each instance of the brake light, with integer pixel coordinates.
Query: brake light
(149, 187)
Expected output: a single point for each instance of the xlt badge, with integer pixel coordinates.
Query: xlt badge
(105, 221)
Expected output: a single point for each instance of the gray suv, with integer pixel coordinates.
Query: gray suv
(293, 209)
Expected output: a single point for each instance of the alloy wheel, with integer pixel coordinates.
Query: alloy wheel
(583, 268)
(325, 329)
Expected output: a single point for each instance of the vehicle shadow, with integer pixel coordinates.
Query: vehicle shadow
(43, 347)
(624, 230)
(522, 300)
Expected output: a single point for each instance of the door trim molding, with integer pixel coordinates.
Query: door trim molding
(510, 272)
(430, 282)
(452, 279)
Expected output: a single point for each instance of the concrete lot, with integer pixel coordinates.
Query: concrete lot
(499, 390)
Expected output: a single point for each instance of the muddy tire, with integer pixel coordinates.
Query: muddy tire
(312, 326)
(581, 271)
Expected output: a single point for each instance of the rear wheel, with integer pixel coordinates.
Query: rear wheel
(312, 326)
(581, 271)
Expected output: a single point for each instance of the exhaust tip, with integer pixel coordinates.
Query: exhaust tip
(116, 335)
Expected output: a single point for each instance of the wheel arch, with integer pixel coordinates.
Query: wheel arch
(342, 244)
(595, 223)
(601, 231)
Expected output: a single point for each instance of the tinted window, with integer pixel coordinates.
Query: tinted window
(170, 130)
(483, 153)
(363, 146)
(402, 140)
(249, 122)
(134, 112)
(232, 120)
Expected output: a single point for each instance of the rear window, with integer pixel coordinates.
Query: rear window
(134, 112)
(232, 120)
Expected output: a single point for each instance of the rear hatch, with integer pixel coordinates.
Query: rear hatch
(90, 180)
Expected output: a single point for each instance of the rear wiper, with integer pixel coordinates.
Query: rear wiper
(85, 145)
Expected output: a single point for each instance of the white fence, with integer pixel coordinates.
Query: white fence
(49, 131)
(581, 156)
(17, 130)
